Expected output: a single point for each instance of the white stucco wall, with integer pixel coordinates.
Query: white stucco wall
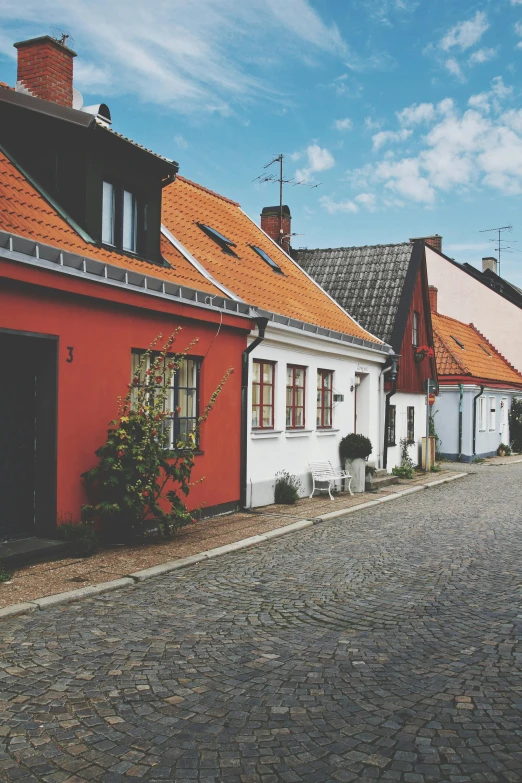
(466, 299)
(273, 451)
(402, 400)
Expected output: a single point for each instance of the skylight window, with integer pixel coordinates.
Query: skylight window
(461, 345)
(485, 351)
(225, 244)
(272, 264)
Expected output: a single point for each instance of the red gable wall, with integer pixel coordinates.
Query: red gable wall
(411, 376)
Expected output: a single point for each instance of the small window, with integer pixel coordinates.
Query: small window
(262, 395)
(267, 259)
(225, 244)
(410, 424)
(492, 413)
(324, 399)
(461, 345)
(295, 397)
(391, 425)
(130, 222)
(108, 213)
(415, 330)
(182, 400)
(484, 349)
(481, 413)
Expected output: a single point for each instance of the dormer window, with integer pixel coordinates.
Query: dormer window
(121, 219)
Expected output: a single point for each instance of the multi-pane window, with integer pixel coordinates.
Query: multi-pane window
(295, 396)
(324, 398)
(182, 399)
(122, 222)
(481, 413)
(391, 425)
(492, 413)
(262, 395)
(410, 424)
(415, 330)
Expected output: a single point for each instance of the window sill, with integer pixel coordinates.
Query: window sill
(322, 433)
(261, 434)
(298, 433)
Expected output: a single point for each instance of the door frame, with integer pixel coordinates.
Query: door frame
(46, 457)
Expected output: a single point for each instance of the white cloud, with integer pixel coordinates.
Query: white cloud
(343, 125)
(372, 125)
(198, 56)
(454, 68)
(318, 159)
(334, 207)
(416, 113)
(390, 137)
(518, 26)
(368, 200)
(465, 34)
(180, 141)
(482, 56)
(463, 150)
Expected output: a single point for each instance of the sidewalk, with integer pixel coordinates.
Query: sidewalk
(43, 579)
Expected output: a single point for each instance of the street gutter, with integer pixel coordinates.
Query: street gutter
(132, 580)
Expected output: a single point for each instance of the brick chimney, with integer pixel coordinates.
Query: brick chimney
(490, 263)
(45, 69)
(433, 298)
(271, 225)
(434, 241)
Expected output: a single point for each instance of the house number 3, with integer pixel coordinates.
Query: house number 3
(70, 356)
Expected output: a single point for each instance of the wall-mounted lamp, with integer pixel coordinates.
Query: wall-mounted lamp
(355, 383)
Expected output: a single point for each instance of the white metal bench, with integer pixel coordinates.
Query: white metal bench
(325, 473)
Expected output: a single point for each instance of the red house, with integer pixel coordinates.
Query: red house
(87, 279)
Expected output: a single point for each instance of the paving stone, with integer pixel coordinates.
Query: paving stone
(382, 646)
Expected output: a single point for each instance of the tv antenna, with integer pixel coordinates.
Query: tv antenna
(62, 36)
(499, 241)
(272, 177)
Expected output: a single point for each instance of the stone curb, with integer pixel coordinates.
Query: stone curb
(50, 601)
(418, 488)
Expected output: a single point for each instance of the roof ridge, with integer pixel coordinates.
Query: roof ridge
(493, 348)
(463, 366)
(207, 190)
(351, 247)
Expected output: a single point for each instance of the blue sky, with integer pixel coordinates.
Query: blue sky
(407, 113)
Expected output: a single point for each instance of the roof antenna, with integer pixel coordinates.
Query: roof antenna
(499, 240)
(269, 177)
(62, 36)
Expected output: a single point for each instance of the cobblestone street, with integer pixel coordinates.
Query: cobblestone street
(382, 647)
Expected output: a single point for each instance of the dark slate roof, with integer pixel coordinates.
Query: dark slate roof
(366, 281)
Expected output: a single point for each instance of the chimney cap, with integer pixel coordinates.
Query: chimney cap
(276, 210)
(47, 39)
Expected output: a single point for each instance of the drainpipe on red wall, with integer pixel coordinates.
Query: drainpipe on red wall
(261, 326)
(475, 398)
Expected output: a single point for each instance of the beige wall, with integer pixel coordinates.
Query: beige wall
(466, 299)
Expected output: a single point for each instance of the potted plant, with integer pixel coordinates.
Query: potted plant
(355, 450)
(503, 450)
(421, 352)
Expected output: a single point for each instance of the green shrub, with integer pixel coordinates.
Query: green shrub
(80, 537)
(515, 424)
(5, 574)
(435, 468)
(406, 469)
(505, 449)
(355, 446)
(286, 488)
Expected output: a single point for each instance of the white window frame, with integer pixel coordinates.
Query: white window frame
(492, 414)
(481, 414)
(108, 213)
(129, 231)
(415, 329)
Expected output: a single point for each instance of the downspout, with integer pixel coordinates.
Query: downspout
(380, 456)
(261, 326)
(475, 398)
(461, 397)
(393, 378)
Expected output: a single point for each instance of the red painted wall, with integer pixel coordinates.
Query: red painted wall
(103, 334)
(411, 376)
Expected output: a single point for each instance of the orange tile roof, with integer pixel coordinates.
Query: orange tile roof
(25, 212)
(294, 295)
(478, 358)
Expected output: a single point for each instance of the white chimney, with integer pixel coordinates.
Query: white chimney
(490, 263)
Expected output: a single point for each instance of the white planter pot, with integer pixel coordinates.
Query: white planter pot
(357, 469)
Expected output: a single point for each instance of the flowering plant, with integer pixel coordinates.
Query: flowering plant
(422, 351)
(142, 478)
